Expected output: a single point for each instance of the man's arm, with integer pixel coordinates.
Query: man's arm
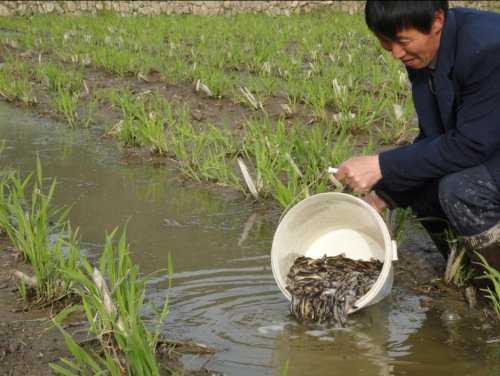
(475, 138)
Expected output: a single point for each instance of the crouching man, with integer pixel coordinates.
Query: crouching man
(451, 172)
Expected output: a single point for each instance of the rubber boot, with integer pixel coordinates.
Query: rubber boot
(487, 244)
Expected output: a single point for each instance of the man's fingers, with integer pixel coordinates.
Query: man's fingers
(340, 175)
(343, 174)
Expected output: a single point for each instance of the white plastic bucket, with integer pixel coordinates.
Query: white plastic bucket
(334, 223)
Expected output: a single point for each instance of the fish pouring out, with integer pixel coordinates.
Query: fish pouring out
(326, 288)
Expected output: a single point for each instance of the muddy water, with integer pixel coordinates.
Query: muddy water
(223, 292)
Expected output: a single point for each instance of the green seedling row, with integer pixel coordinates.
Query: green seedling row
(329, 62)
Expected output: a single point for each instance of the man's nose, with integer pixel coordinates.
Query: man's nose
(397, 51)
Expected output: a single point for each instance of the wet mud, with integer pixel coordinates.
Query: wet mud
(27, 346)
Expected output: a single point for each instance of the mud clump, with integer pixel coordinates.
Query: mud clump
(325, 289)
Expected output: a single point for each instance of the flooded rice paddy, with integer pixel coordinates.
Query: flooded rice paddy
(223, 292)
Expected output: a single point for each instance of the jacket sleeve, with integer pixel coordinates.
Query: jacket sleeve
(419, 137)
(474, 139)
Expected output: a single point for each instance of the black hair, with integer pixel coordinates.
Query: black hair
(387, 18)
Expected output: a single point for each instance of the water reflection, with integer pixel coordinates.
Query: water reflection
(368, 346)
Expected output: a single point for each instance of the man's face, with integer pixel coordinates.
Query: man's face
(414, 48)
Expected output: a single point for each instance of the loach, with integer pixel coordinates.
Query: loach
(325, 289)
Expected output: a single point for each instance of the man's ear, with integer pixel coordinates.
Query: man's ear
(438, 22)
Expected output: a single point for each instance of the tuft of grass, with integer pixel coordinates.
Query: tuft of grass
(66, 104)
(65, 87)
(290, 162)
(15, 85)
(57, 77)
(398, 220)
(112, 295)
(493, 276)
(206, 154)
(458, 268)
(30, 222)
(144, 119)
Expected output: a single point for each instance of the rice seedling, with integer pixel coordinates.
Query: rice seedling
(66, 87)
(398, 221)
(493, 276)
(290, 163)
(15, 85)
(29, 223)
(144, 119)
(66, 104)
(218, 155)
(250, 99)
(151, 132)
(216, 81)
(86, 116)
(16, 90)
(115, 61)
(205, 154)
(60, 78)
(112, 294)
(458, 269)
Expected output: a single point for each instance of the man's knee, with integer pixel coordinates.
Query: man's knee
(449, 191)
(470, 200)
(468, 188)
(455, 202)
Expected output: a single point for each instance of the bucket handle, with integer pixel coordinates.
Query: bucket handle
(331, 174)
(394, 250)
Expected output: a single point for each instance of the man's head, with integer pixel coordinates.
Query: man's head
(410, 30)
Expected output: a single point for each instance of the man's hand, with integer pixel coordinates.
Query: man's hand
(375, 202)
(360, 173)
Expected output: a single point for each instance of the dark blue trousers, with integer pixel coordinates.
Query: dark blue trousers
(468, 201)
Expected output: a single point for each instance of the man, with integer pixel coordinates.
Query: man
(451, 172)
